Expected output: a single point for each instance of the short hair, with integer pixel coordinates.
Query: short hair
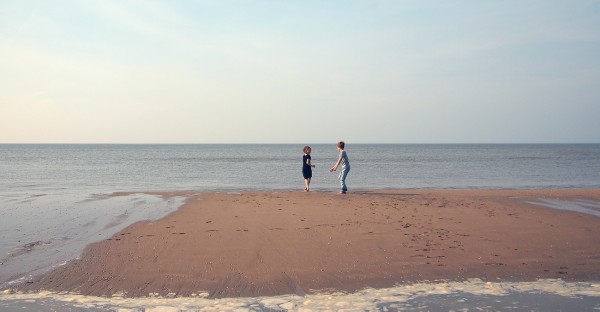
(341, 144)
(306, 148)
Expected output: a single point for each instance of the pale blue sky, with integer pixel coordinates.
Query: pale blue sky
(299, 71)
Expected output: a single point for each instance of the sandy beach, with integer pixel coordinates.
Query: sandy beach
(272, 243)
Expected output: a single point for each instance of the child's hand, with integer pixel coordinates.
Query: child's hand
(331, 170)
(314, 166)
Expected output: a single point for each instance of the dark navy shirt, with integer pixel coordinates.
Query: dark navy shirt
(305, 166)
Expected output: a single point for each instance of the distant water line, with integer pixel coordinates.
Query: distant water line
(107, 168)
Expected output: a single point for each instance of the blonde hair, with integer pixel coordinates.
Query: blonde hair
(306, 148)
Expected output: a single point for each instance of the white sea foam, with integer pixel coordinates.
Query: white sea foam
(365, 300)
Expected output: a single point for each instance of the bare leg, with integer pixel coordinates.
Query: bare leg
(306, 183)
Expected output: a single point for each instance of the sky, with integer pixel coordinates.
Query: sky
(314, 71)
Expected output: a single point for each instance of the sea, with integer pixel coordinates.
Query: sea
(57, 198)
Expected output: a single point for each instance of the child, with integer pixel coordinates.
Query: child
(343, 159)
(307, 168)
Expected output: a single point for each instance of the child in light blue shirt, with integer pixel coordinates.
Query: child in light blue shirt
(342, 160)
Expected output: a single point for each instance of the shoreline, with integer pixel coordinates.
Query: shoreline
(245, 244)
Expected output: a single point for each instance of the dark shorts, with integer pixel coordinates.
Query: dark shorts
(307, 174)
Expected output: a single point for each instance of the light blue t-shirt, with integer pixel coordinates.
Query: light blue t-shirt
(345, 161)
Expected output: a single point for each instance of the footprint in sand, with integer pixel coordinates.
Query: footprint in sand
(494, 263)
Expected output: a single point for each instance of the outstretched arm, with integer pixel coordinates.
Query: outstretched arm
(337, 164)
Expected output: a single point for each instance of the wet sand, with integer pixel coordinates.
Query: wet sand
(265, 243)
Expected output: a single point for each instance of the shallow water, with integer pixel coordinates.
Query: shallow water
(472, 295)
(41, 231)
(590, 207)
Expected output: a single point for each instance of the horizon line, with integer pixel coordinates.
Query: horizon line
(297, 143)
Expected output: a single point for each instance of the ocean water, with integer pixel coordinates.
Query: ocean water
(107, 168)
(55, 199)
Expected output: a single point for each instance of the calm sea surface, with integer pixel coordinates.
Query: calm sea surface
(108, 168)
(53, 198)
